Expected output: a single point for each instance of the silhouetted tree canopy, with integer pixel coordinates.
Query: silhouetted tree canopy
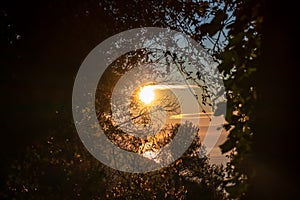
(57, 166)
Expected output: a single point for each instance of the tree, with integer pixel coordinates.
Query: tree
(231, 31)
(234, 31)
(61, 167)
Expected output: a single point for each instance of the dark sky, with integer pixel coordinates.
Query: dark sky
(42, 47)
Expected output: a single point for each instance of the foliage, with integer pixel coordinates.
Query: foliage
(240, 59)
(231, 31)
(61, 168)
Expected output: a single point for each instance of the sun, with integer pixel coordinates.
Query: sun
(146, 94)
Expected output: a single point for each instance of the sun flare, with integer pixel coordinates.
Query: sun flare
(146, 94)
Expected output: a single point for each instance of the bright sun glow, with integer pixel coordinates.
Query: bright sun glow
(146, 94)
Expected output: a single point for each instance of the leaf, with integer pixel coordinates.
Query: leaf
(215, 25)
(236, 190)
(220, 16)
(210, 29)
(227, 126)
(229, 111)
(228, 145)
(236, 40)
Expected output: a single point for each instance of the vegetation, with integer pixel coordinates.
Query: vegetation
(230, 30)
(61, 167)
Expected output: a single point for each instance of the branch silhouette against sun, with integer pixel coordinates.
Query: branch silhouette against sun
(153, 99)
